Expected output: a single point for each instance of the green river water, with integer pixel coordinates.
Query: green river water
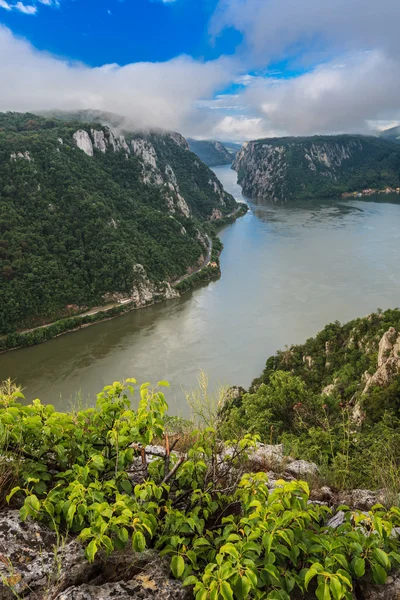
(286, 272)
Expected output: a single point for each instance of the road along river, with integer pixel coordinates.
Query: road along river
(286, 272)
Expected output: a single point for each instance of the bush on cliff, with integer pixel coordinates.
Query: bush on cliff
(228, 535)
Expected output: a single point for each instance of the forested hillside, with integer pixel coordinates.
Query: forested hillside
(289, 169)
(80, 208)
(334, 400)
(211, 152)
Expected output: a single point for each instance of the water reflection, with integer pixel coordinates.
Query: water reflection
(286, 272)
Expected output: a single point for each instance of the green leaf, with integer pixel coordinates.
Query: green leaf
(336, 588)
(358, 565)
(322, 592)
(177, 566)
(379, 574)
(71, 514)
(11, 494)
(202, 594)
(123, 535)
(226, 591)
(163, 384)
(91, 550)
(191, 580)
(382, 558)
(309, 575)
(200, 542)
(242, 588)
(229, 549)
(138, 541)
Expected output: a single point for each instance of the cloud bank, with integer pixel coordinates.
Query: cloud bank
(343, 58)
(150, 94)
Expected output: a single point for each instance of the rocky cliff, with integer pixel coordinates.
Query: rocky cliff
(81, 204)
(288, 169)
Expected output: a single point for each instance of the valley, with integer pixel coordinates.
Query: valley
(287, 271)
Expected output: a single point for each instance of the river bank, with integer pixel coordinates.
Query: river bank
(209, 270)
(285, 273)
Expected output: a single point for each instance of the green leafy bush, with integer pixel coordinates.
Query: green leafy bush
(226, 533)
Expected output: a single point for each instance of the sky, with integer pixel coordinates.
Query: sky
(232, 70)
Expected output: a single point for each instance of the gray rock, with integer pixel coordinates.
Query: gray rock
(337, 520)
(300, 468)
(266, 456)
(145, 577)
(361, 499)
(389, 591)
(35, 559)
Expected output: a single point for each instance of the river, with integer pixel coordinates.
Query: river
(286, 272)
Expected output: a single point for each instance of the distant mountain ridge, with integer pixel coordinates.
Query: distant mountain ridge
(211, 152)
(292, 168)
(392, 133)
(87, 215)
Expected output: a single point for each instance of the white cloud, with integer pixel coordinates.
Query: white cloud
(27, 9)
(280, 28)
(149, 94)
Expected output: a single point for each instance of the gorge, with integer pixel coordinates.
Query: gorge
(286, 272)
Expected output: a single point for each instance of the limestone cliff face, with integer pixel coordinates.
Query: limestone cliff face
(285, 169)
(148, 150)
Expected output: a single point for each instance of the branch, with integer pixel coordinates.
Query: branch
(174, 469)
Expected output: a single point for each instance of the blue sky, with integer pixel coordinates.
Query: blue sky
(231, 69)
(114, 31)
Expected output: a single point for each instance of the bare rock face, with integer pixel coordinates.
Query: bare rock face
(146, 292)
(361, 499)
(38, 566)
(35, 560)
(388, 361)
(83, 141)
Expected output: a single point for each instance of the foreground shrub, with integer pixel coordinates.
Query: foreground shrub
(227, 534)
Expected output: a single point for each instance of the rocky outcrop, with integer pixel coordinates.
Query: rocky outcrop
(143, 577)
(83, 141)
(37, 560)
(24, 155)
(284, 169)
(388, 361)
(147, 292)
(38, 565)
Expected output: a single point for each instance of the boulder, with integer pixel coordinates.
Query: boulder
(337, 520)
(266, 456)
(301, 468)
(361, 499)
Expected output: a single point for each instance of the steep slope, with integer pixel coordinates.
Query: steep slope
(334, 399)
(288, 169)
(81, 208)
(211, 152)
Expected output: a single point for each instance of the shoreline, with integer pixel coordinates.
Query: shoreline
(43, 333)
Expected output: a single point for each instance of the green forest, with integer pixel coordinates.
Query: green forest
(73, 226)
(212, 153)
